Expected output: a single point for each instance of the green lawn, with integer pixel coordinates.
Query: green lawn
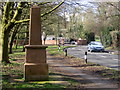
(13, 74)
(53, 50)
(0, 41)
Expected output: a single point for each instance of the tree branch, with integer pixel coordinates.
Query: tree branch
(6, 12)
(114, 6)
(53, 9)
(116, 15)
(43, 3)
(18, 11)
(21, 21)
(42, 15)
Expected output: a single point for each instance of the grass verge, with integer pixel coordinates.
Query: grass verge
(53, 50)
(12, 74)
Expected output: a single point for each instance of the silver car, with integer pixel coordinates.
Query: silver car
(95, 46)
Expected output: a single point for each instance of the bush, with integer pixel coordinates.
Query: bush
(106, 36)
(90, 37)
(115, 39)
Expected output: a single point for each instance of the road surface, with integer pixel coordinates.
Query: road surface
(102, 58)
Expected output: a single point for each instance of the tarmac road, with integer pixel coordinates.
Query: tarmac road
(61, 69)
(102, 58)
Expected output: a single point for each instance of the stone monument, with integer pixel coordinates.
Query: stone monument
(35, 67)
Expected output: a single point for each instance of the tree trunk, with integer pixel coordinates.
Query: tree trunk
(11, 42)
(5, 57)
(16, 30)
(17, 42)
(44, 40)
(5, 33)
(56, 41)
(25, 41)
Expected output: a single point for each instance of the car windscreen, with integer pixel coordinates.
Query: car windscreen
(96, 44)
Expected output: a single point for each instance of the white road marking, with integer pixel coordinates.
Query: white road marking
(104, 56)
(115, 59)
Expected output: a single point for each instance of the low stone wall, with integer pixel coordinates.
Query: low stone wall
(53, 42)
(82, 42)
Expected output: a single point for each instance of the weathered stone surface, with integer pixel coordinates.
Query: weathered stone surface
(35, 26)
(35, 54)
(36, 71)
(35, 66)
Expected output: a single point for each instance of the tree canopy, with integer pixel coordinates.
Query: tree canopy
(75, 17)
(12, 14)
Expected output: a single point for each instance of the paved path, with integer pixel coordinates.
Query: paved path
(88, 81)
(102, 58)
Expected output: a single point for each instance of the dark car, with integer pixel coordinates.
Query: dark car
(73, 42)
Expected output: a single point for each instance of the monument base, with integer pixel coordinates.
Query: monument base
(36, 71)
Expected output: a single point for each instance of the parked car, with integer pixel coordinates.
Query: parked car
(73, 42)
(67, 42)
(95, 46)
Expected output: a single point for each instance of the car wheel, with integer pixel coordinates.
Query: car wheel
(90, 50)
(102, 50)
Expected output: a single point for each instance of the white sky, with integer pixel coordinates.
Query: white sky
(85, 1)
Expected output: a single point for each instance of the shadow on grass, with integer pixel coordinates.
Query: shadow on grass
(17, 82)
(70, 78)
(85, 65)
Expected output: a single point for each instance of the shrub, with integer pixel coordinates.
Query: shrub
(115, 39)
(106, 36)
(90, 37)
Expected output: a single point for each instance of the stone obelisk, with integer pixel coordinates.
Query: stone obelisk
(35, 67)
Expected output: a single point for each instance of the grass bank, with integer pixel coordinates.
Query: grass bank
(13, 74)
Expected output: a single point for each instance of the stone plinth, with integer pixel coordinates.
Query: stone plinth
(36, 71)
(35, 53)
(35, 67)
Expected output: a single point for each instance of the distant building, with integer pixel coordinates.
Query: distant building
(51, 39)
